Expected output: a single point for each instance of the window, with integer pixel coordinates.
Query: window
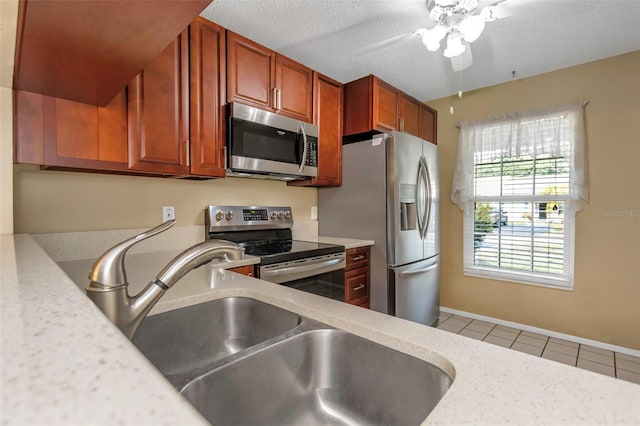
(520, 180)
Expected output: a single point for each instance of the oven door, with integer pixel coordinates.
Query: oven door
(321, 275)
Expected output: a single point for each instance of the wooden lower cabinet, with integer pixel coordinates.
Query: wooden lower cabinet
(244, 270)
(357, 277)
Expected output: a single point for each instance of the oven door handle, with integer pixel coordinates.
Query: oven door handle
(302, 268)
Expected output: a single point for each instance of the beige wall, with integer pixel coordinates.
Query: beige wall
(56, 201)
(8, 20)
(605, 302)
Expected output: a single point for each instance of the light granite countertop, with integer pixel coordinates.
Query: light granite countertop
(63, 362)
(348, 243)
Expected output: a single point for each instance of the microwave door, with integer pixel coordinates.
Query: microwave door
(266, 143)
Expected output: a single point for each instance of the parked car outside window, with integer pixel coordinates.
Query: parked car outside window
(499, 219)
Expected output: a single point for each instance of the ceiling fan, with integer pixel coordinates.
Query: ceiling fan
(460, 22)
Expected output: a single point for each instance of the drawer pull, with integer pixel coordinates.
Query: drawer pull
(360, 287)
(356, 258)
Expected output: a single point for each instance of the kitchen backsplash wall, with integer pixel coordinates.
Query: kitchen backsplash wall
(57, 201)
(605, 302)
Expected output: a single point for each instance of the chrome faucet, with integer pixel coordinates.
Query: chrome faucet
(108, 287)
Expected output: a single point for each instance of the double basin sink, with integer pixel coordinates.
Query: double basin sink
(240, 361)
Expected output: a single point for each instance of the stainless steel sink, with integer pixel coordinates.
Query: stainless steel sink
(316, 378)
(187, 342)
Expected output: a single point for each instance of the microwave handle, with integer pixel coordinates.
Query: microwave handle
(304, 151)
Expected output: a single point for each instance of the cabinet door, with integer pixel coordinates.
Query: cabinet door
(385, 106)
(207, 98)
(429, 124)
(61, 133)
(294, 85)
(250, 72)
(159, 113)
(328, 95)
(244, 270)
(410, 111)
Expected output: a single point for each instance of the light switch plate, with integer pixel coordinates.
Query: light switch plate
(314, 212)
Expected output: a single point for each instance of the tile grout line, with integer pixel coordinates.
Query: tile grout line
(544, 347)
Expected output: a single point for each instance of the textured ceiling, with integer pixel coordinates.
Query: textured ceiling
(538, 36)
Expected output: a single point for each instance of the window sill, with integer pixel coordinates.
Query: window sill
(520, 278)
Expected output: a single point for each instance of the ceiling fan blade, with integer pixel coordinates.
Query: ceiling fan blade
(462, 61)
(493, 10)
(383, 44)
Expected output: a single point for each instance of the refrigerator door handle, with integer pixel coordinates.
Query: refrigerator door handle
(418, 271)
(422, 189)
(427, 200)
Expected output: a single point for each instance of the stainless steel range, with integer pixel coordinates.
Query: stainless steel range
(266, 232)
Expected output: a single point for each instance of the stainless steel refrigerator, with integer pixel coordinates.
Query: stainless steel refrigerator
(390, 194)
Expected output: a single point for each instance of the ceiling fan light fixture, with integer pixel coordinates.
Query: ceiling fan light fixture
(471, 27)
(454, 45)
(432, 37)
(431, 45)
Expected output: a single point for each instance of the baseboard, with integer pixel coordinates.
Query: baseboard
(575, 339)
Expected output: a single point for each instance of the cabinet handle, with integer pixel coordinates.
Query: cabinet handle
(187, 149)
(278, 99)
(360, 287)
(274, 98)
(356, 258)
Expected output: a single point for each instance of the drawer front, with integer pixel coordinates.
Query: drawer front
(357, 258)
(356, 286)
(244, 270)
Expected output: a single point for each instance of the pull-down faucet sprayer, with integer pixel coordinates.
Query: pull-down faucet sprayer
(108, 287)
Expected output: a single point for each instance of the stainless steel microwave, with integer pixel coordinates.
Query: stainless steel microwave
(271, 145)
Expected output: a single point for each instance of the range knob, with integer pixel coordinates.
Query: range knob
(229, 215)
(287, 214)
(219, 216)
(273, 215)
(280, 214)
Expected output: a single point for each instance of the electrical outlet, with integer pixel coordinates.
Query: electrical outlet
(168, 213)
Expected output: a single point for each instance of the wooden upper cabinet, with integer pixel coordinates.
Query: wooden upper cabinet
(87, 51)
(410, 112)
(57, 132)
(429, 124)
(385, 106)
(328, 115)
(293, 89)
(371, 105)
(159, 113)
(250, 72)
(260, 77)
(207, 98)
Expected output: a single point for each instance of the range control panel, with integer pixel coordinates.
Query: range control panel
(237, 218)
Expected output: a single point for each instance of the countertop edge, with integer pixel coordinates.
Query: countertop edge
(54, 338)
(348, 243)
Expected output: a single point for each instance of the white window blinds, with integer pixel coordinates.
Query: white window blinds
(520, 179)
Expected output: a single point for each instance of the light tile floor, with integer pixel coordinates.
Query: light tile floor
(614, 364)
